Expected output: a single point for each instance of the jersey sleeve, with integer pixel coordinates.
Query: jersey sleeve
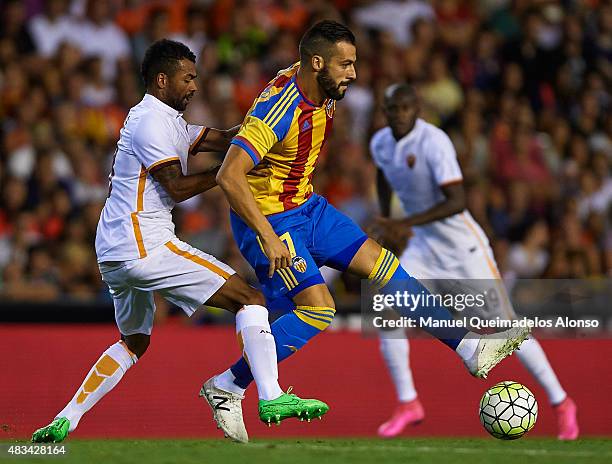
(256, 138)
(196, 134)
(377, 149)
(153, 144)
(268, 122)
(443, 160)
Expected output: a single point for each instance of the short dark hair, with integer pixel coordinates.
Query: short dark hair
(163, 56)
(400, 88)
(321, 36)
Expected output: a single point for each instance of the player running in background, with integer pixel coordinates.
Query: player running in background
(286, 232)
(417, 161)
(138, 252)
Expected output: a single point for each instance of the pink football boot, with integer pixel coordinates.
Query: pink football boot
(566, 419)
(405, 413)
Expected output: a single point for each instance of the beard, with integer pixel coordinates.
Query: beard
(179, 102)
(329, 86)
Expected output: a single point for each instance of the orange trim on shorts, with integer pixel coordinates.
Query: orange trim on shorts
(491, 264)
(142, 180)
(198, 260)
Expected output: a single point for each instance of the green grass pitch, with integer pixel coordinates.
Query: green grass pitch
(329, 451)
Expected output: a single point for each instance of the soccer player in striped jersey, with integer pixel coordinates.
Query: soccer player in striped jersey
(287, 232)
(138, 252)
(417, 161)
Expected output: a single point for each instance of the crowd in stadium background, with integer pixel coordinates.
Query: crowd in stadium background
(522, 87)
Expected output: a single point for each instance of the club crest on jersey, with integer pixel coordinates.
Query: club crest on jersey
(330, 108)
(299, 264)
(411, 160)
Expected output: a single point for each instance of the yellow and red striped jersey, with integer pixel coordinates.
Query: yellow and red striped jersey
(288, 130)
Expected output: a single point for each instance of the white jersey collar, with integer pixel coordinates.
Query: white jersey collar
(413, 133)
(160, 105)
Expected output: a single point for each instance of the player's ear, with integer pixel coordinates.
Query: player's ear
(162, 80)
(318, 63)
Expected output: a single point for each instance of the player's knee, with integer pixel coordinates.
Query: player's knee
(319, 317)
(387, 266)
(244, 294)
(137, 343)
(250, 296)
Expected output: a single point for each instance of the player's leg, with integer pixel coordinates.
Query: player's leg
(482, 265)
(199, 278)
(479, 353)
(395, 351)
(253, 332)
(292, 330)
(134, 315)
(287, 332)
(311, 313)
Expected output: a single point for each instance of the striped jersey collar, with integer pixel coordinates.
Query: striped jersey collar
(303, 95)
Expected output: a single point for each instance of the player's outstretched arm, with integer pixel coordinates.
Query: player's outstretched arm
(453, 203)
(384, 193)
(232, 180)
(215, 140)
(181, 187)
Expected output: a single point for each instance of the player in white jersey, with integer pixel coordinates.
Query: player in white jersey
(417, 161)
(138, 252)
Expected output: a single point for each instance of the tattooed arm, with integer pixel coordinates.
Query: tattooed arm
(216, 140)
(181, 187)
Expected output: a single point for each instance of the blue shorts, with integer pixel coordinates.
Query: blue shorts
(317, 235)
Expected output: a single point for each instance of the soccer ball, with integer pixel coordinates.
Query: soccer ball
(508, 410)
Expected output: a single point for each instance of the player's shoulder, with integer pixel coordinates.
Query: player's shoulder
(382, 144)
(429, 131)
(147, 125)
(381, 138)
(280, 94)
(432, 138)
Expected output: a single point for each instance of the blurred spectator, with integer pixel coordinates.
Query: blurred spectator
(441, 92)
(53, 27)
(395, 17)
(14, 29)
(529, 258)
(99, 36)
(195, 35)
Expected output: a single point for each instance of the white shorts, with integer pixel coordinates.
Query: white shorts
(478, 269)
(182, 274)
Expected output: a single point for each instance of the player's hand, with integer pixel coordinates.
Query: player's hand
(278, 254)
(391, 234)
(261, 170)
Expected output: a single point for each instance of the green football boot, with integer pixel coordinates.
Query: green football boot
(289, 405)
(55, 432)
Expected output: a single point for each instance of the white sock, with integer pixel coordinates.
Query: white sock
(396, 351)
(102, 378)
(534, 359)
(468, 346)
(225, 381)
(253, 328)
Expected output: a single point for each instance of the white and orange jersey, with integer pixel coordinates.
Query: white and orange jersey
(137, 214)
(416, 167)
